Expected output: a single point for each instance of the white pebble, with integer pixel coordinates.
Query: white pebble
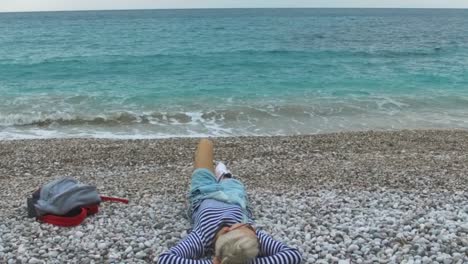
(102, 246)
(464, 227)
(21, 249)
(140, 254)
(78, 234)
(114, 255)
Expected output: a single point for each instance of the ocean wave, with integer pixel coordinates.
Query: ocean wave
(285, 126)
(233, 115)
(109, 111)
(109, 119)
(264, 118)
(129, 118)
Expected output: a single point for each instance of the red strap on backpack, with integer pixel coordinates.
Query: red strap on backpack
(114, 199)
(67, 221)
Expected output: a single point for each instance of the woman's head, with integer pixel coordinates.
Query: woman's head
(237, 244)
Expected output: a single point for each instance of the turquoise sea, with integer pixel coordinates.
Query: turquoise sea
(231, 72)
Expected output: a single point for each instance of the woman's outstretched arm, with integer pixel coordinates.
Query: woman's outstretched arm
(188, 251)
(275, 252)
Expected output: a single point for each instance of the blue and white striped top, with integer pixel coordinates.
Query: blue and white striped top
(208, 218)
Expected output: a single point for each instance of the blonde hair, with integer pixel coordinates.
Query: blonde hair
(236, 248)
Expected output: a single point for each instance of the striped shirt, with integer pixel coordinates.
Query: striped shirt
(208, 218)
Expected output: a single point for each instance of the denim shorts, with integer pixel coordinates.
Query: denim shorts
(205, 186)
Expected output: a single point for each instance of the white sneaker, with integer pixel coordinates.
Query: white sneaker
(222, 171)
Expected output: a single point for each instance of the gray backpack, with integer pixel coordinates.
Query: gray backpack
(66, 202)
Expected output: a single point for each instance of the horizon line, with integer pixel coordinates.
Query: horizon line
(214, 8)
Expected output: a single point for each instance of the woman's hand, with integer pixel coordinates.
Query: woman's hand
(216, 260)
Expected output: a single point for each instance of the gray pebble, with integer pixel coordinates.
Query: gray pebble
(353, 248)
(35, 261)
(464, 227)
(128, 249)
(147, 243)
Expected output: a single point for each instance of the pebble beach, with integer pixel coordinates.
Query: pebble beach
(354, 197)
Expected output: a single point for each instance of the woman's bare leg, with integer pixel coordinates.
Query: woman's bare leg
(204, 155)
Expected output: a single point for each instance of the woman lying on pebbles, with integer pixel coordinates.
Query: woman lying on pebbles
(222, 222)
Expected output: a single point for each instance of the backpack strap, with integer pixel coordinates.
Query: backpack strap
(67, 221)
(113, 199)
